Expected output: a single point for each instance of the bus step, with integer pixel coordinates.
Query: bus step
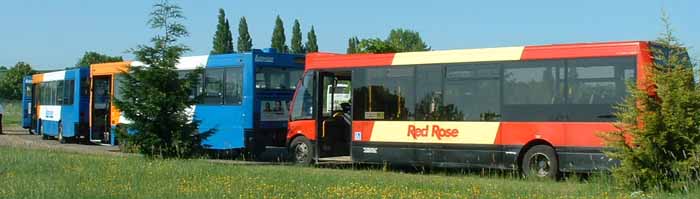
(337, 159)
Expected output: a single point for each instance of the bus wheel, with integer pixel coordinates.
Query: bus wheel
(540, 161)
(60, 137)
(301, 150)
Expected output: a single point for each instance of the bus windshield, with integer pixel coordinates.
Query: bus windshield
(277, 78)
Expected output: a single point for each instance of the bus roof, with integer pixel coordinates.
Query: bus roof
(556, 51)
(54, 75)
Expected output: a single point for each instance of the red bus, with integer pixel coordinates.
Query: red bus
(537, 109)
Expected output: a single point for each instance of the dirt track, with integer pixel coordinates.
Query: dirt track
(20, 138)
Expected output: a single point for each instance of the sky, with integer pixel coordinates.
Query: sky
(55, 34)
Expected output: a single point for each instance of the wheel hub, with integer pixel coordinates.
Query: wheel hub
(540, 164)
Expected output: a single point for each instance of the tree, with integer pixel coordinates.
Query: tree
(399, 40)
(245, 43)
(658, 139)
(406, 41)
(3, 67)
(155, 99)
(278, 38)
(376, 45)
(297, 46)
(353, 45)
(311, 43)
(11, 81)
(90, 58)
(223, 40)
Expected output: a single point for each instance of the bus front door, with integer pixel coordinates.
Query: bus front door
(334, 120)
(100, 107)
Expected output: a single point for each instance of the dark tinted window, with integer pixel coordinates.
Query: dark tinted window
(182, 74)
(69, 91)
(534, 82)
(277, 78)
(472, 92)
(27, 90)
(388, 92)
(233, 86)
(60, 92)
(596, 85)
(429, 93)
(534, 91)
(213, 86)
(304, 99)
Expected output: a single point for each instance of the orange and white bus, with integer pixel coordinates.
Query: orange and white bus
(537, 109)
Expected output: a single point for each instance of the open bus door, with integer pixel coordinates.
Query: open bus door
(100, 109)
(334, 122)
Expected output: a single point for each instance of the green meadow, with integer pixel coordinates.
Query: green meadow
(28, 173)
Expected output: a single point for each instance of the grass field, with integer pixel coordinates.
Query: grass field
(50, 174)
(13, 113)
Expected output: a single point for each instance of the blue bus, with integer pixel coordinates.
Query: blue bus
(55, 104)
(245, 97)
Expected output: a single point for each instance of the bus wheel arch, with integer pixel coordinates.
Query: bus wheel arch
(539, 148)
(301, 150)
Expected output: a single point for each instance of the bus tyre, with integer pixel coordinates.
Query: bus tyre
(540, 161)
(301, 151)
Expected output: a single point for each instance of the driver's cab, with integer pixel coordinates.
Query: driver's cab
(320, 122)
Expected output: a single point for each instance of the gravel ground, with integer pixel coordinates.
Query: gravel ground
(20, 138)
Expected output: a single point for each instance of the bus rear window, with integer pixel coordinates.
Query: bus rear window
(277, 78)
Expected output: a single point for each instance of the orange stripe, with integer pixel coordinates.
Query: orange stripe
(109, 68)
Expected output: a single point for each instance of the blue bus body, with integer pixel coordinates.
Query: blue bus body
(246, 98)
(55, 104)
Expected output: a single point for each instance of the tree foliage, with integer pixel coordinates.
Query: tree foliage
(658, 141)
(376, 45)
(90, 58)
(11, 80)
(311, 41)
(278, 38)
(399, 40)
(297, 46)
(223, 39)
(404, 40)
(155, 98)
(245, 43)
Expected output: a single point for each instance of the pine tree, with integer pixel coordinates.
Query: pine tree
(297, 46)
(245, 43)
(353, 44)
(658, 139)
(223, 40)
(311, 45)
(278, 38)
(155, 99)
